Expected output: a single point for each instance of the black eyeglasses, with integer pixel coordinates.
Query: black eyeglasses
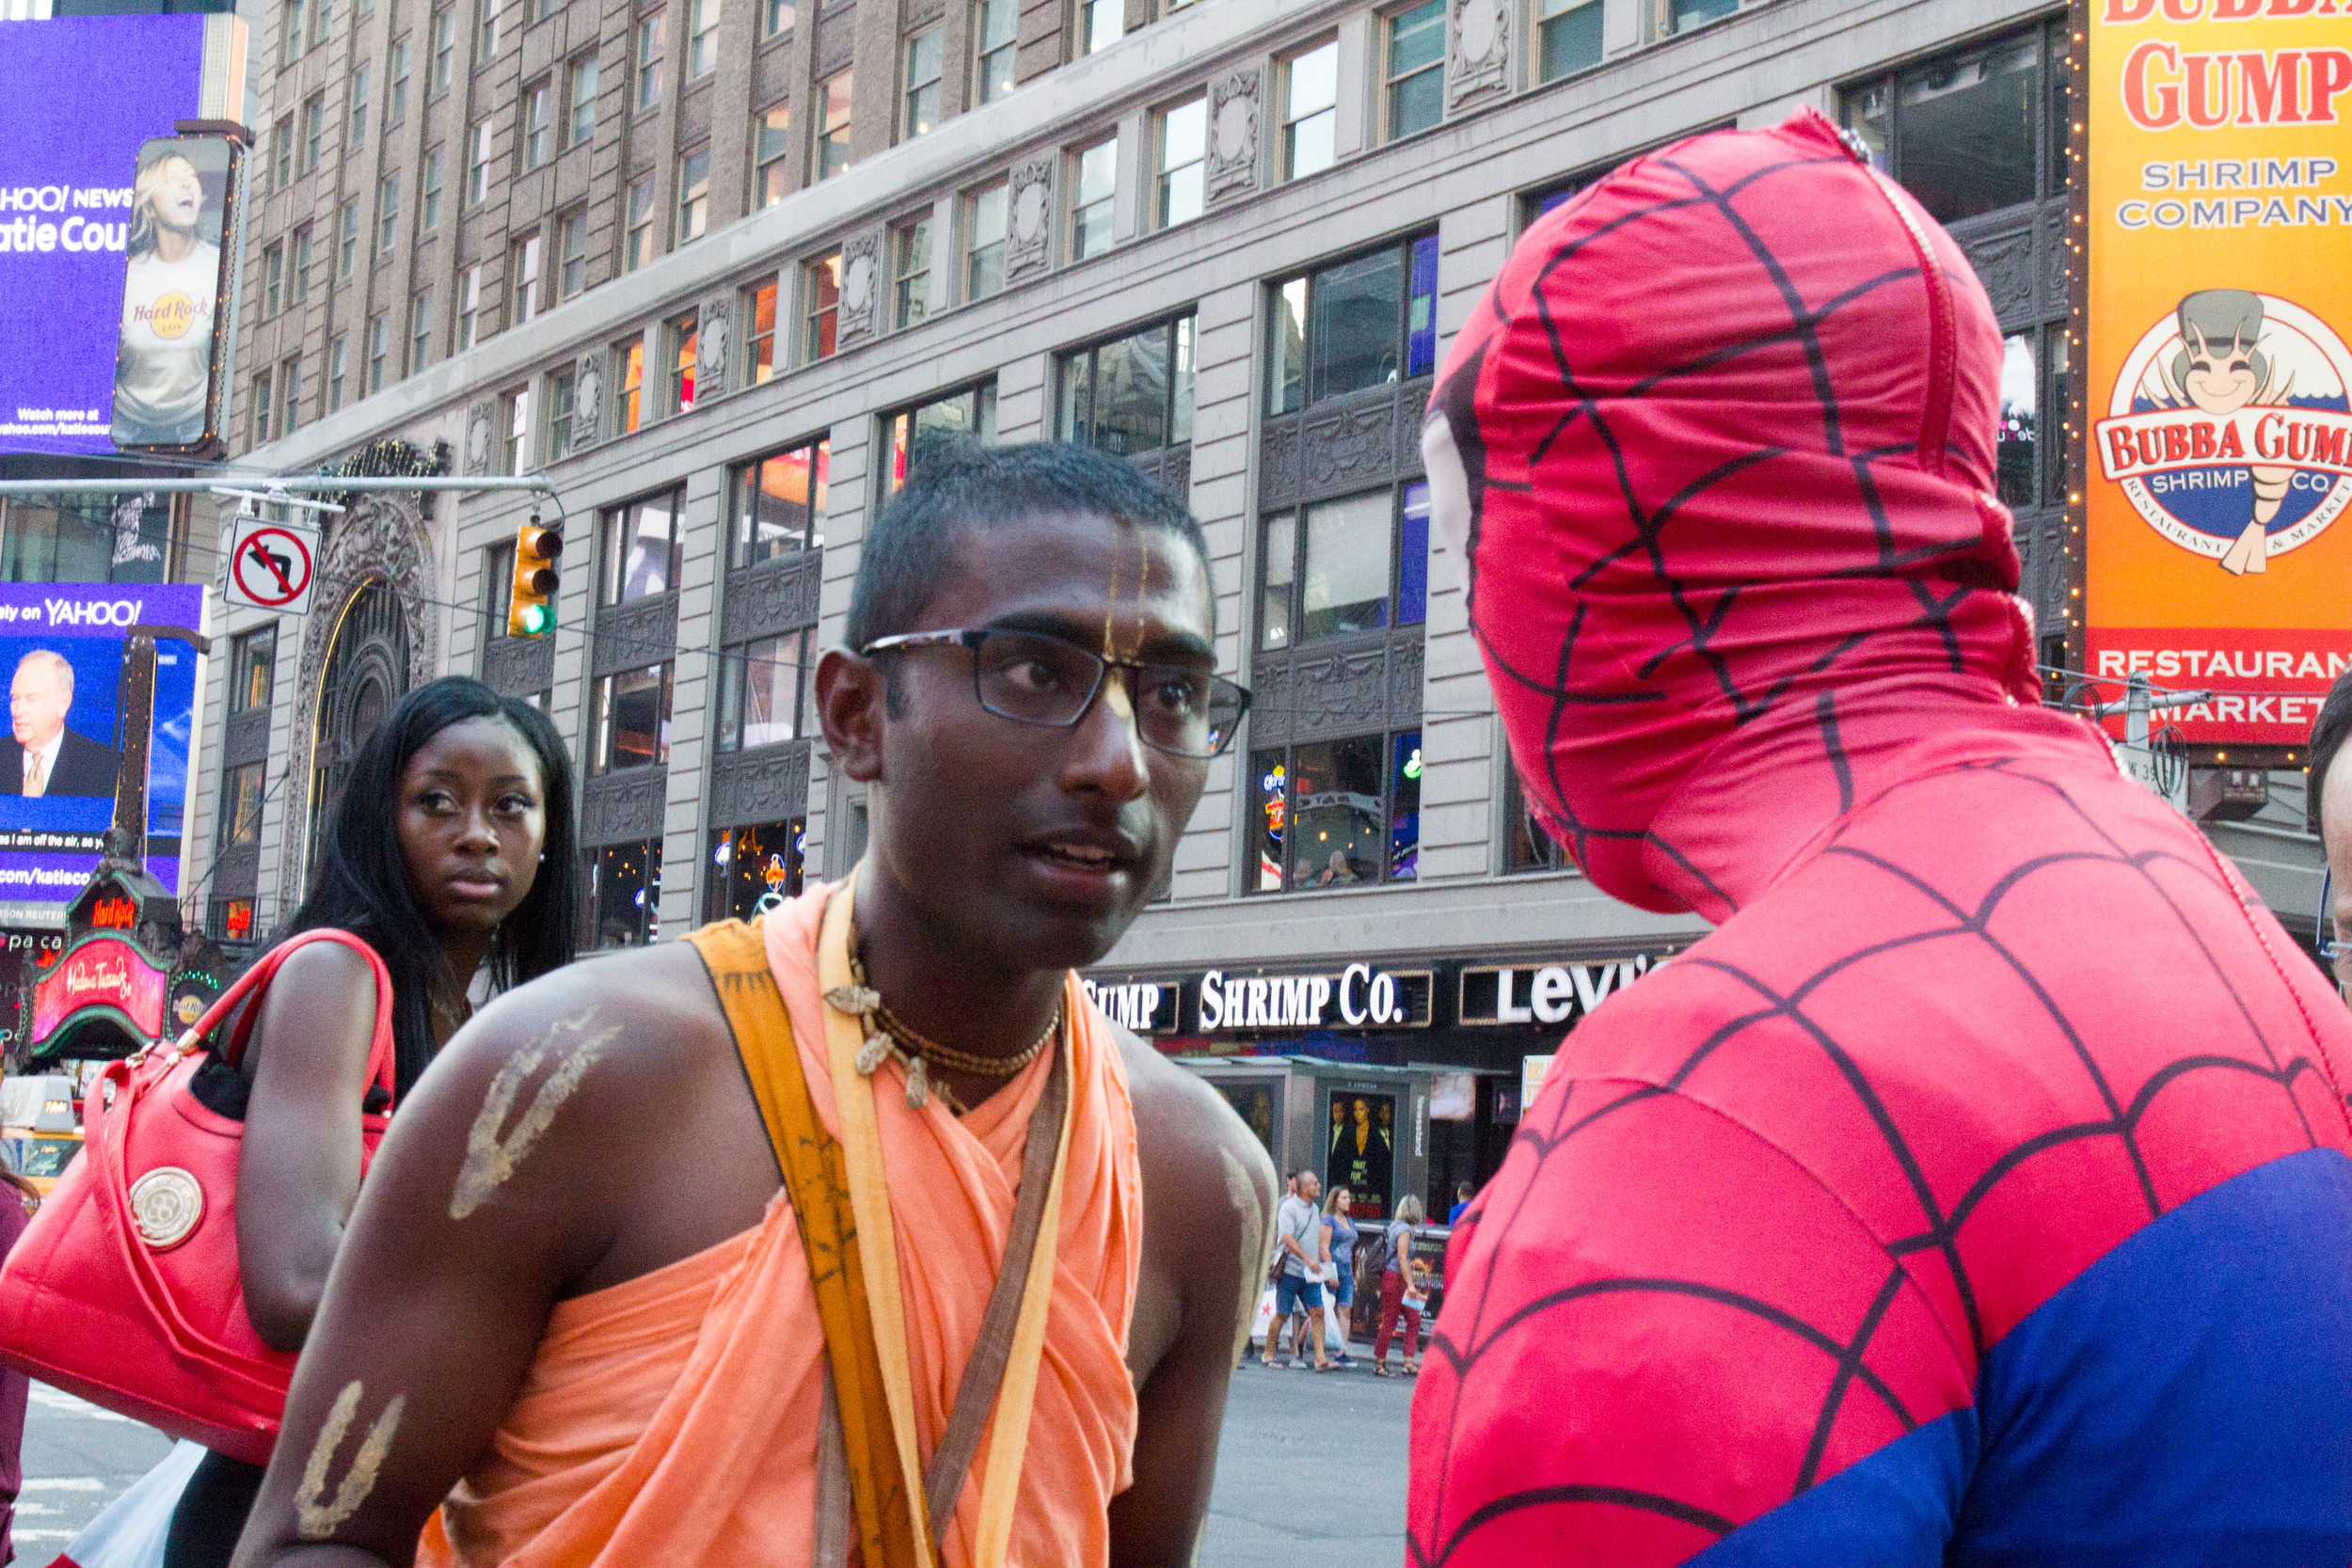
(1033, 678)
(2330, 948)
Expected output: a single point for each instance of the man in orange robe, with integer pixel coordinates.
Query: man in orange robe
(576, 1320)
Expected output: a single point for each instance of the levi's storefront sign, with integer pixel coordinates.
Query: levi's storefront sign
(1360, 996)
(1544, 993)
(101, 972)
(2220, 184)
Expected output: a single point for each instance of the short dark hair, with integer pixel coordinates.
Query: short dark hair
(955, 484)
(2328, 733)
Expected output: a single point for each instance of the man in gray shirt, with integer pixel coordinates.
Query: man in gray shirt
(1299, 1236)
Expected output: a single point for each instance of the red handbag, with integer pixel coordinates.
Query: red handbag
(125, 1289)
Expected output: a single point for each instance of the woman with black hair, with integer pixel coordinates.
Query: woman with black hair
(450, 851)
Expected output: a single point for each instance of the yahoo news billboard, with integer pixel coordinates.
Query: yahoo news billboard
(61, 652)
(78, 96)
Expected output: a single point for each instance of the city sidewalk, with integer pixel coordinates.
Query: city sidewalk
(1311, 1471)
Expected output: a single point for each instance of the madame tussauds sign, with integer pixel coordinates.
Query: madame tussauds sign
(101, 972)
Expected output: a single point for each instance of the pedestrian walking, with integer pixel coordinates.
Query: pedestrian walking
(18, 1200)
(1993, 1080)
(1299, 1232)
(1403, 1289)
(2331, 810)
(1339, 1236)
(449, 852)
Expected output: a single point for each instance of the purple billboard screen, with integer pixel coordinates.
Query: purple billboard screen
(61, 651)
(78, 95)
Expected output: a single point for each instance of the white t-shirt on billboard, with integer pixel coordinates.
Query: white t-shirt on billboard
(165, 361)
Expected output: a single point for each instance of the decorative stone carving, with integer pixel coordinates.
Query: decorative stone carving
(1342, 692)
(771, 598)
(1412, 407)
(1029, 223)
(588, 406)
(237, 871)
(518, 666)
(2005, 265)
(859, 316)
(1234, 126)
(2056, 300)
(1348, 443)
(1482, 52)
(246, 738)
(1171, 466)
(767, 784)
(381, 535)
(624, 807)
(1278, 463)
(631, 636)
(1347, 685)
(479, 424)
(714, 339)
(1405, 656)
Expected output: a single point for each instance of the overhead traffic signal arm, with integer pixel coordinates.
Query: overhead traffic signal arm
(539, 562)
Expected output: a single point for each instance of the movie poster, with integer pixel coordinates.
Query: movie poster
(1254, 1103)
(1361, 1149)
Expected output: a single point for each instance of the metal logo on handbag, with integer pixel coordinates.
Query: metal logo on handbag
(166, 1205)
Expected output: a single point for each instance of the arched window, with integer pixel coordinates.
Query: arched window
(367, 672)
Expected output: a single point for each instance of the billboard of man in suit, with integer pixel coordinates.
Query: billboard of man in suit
(40, 756)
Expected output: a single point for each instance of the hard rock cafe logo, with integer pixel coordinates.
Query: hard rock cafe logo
(171, 316)
(2230, 430)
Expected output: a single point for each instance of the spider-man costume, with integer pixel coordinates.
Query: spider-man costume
(1977, 1192)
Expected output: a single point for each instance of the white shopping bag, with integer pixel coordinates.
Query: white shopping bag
(130, 1532)
(1265, 1318)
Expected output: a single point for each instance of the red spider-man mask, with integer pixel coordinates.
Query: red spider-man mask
(1717, 449)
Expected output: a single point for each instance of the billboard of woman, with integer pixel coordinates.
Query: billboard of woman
(173, 295)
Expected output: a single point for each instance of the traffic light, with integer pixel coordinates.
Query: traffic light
(538, 559)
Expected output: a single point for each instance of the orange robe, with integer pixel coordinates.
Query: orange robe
(672, 1418)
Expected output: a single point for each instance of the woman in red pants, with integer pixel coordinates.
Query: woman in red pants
(1400, 1279)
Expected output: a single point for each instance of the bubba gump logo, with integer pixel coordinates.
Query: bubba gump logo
(2229, 428)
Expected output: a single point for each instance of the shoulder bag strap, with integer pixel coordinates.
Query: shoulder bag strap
(815, 1177)
(255, 980)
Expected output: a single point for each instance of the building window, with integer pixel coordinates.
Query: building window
(1184, 146)
(1311, 113)
(263, 412)
(298, 271)
(1348, 565)
(1334, 813)
(969, 412)
(252, 669)
(759, 356)
(918, 100)
(273, 277)
(1416, 70)
(282, 153)
(522, 271)
(420, 333)
(629, 359)
(396, 100)
(772, 141)
(776, 17)
(641, 549)
(541, 9)
(620, 887)
(702, 37)
(754, 869)
(241, 798)
(314, 131)
(1683, 15)
(571, 238)
(1356, 324)
(1526, 847)
(380, 349)
(538, 112)
(693, 194)
(388, 214)
(337, 367)
(1974, 131)
(984, 214)
(356, 125)
(429, 209)
(478, 163)
(1096, 184)
(444, 49)
(820, 297)
(1131, 394)
(1568, 37)
(289, 395)
(1100, 23)
(514, 431)
(763, 689)
(485, 32)
(563, 401)
(347, 241)
(640, 239)
(778, 502)
(649, 50)
(997, 37)
(322, 22)
(909, 272)
(289, 33)
(684, 336)
(830, 152)
(468, 307)
(580, 100)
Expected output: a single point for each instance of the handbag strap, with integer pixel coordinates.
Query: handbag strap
(380, 1047)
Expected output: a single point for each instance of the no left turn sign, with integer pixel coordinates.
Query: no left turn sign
(272, 565)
